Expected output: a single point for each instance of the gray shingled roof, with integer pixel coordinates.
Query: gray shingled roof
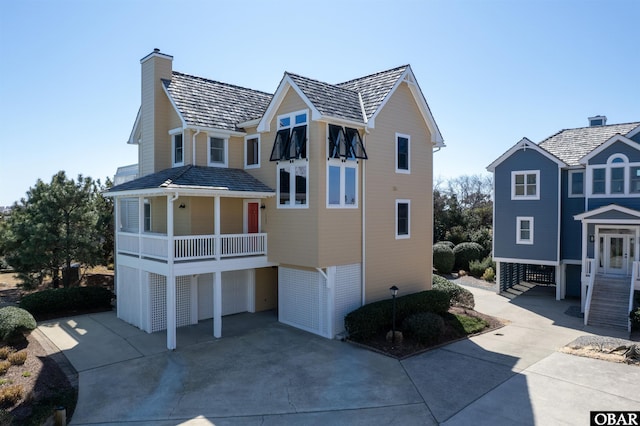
(570, 145)
(374, 88)
(329, 99)
(209, 103)
(189, 176)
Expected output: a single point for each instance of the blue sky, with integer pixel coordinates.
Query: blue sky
(492, 71)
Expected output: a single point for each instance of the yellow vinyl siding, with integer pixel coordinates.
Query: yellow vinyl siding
(236, 152)
(404, 262)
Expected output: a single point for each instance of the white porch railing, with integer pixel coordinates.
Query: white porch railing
(192, 247)
(589, 268)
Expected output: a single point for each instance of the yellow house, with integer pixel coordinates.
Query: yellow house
(312, 201)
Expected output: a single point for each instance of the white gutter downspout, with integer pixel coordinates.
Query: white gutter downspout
(364, 205)
(193, 146)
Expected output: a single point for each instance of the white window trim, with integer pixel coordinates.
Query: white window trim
(226, 150)
(408, 170)
(343, 165)
(403, 237)
(513, 184)
(292, 164)
(246, 153)
(292, 116)
(173, 133)
(570, 184)
(608, 166)
(519, 220)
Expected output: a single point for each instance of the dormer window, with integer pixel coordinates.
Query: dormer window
(598, 120)
(291, 138)
(177, 147)
(217, 151)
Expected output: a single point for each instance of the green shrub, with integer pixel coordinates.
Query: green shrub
(635, 319)
(62, 300)
(425, 327)
(15, 323)
(478, 267)
(377, 317)
(465, 253)
(489, 274)
(443, 258)
(458, 296)
(446, 243)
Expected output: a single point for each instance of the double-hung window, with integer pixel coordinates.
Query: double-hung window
(252, 151)
(524, 230)
(403, 153)
(525, 185)
(344, 149)
(177, 147)
(403, 219)
(634, 180)
(217, 151)
(576, 183)
(290, 151)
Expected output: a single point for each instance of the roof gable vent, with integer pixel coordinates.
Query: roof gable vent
(598, 120)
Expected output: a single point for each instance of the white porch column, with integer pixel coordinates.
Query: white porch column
(116, 267)
(217, 304)
(171, 280)
(498, 276)
(216, 225)
(583, 278)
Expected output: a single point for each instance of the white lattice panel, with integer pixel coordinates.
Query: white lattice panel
(299, 296)
(348, 293)
(128, 295)
(158, 301)
(183, 301)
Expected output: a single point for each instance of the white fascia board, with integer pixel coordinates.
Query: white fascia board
(633, 132)
(527, 261)
(613, 139)
(250, 123)
(524, 144)
(135, 193)
(133, 140)
(285, 84)
(343, 121)
(212, 130)
(175, 107)
(606, 209)
(189, 191)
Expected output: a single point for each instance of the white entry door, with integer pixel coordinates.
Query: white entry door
(618, 254)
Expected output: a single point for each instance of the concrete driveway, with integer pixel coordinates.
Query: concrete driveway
(262, 372)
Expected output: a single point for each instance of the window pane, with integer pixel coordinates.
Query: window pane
(301, 184)
(334, 185)
(298, 144)
(285, 186)
(635, 180)
(350, 186)
(252, 151)
(531, 179)
(598, 181)
(301, 118)
(519, 179)
(519, 189)
(403, 219)
(284, 122)
(403, 153)
(280, 145)
(335, 134)
(577, 183)
(217, 150)
(617, 180)
(177, 140)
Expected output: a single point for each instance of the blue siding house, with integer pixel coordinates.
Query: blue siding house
(568, 209)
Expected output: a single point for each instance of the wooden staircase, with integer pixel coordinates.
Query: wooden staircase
(610, 302)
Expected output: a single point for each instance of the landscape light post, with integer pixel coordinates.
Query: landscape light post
(394, 292)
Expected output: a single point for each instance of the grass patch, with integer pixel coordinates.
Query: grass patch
(465, 325)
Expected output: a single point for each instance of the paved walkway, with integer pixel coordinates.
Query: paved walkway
(263, 372)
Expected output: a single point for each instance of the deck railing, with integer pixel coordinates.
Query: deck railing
(192, 247)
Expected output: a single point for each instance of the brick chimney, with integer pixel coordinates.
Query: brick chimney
(154, 111)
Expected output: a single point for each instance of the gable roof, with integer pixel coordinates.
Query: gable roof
(195, 178)
(613, 139)
(570, 145)
(610, 212)
(212, 104)
(523, 144)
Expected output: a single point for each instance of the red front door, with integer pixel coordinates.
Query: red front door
(252, 217)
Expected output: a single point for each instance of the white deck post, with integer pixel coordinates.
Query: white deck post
(171, 280)
(216, 225)
(217, 304)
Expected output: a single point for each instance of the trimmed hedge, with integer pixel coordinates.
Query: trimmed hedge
(478, 267)
(465, 253)
(62, 300)
(377, 317)
(443, 258)
(458, 295)
(15, 323)
(425, 327)
(446, 243)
